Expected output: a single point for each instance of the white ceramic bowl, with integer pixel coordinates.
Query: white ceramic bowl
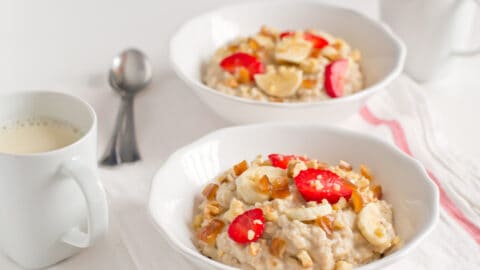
(383, 56)
(182, 177)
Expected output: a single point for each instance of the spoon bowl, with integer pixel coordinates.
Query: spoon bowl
(131, 72)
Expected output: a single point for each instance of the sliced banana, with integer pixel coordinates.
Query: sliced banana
(282, 82)
(293, 49)
(375, 224)
(264, 41)
(309, 213)
(247, 182)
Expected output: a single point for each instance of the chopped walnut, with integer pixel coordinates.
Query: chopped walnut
(340, 205)
(345, 165)
(253, 249)
(305, 259)
(240, 167)
(323, 165)
(338, 224)
(209, 233)
(212, 209)
(312, 164)
(236, 208)
(362, 183)
(331, 53)
(210, 191)
(295, 167)
(268, 31)
(277, 247)
(270, 213)
(310, 65)
(258, 161)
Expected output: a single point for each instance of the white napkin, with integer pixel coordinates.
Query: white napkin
(401, 115)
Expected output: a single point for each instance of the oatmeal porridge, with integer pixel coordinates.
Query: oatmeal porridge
(290, 66)
(293, 212)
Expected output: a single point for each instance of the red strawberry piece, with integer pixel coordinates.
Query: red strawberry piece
(287, 34)
(335, 77)
(281, 161)
(247, 227)
(237, 60)
(319, 184)
(318, 41)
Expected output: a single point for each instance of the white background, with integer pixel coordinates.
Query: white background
(68, 46)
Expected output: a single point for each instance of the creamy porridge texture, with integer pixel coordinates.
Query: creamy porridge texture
(289, 66)
(292, 212)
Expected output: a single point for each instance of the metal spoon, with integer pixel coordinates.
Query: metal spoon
(130, 73)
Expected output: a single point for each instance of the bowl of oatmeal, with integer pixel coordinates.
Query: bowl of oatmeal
(303, 61)
(285, 66)
(318, 197)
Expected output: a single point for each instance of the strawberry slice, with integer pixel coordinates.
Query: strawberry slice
(318, 41)
(237, 60)
(281, 161)
(286, 34)
(318, 184)
(335, 77)
(247, 227)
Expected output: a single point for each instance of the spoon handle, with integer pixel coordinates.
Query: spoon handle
(128, 139)
(111, 156)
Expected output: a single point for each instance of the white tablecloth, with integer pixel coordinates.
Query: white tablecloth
(67, 46)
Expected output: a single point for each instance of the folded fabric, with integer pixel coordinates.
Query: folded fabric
(402, 112)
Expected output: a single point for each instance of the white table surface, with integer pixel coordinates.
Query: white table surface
(68, 46)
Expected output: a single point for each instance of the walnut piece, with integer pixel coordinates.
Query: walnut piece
(305, 259)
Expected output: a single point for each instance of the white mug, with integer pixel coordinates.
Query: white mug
(434, 31)
(52, 204)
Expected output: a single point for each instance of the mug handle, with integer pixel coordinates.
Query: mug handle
(96, 201)
(468, 52)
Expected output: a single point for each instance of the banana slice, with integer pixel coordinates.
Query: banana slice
(247, 182)
(309, 213)
(293, 49)
(375, 224)
(282, 82)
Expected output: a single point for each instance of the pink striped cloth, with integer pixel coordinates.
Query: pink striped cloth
(401, 115)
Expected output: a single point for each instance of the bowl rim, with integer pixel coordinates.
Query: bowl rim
(198, 86)
(387, 260)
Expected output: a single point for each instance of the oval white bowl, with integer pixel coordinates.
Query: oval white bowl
(182, 177)
(383, 56)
